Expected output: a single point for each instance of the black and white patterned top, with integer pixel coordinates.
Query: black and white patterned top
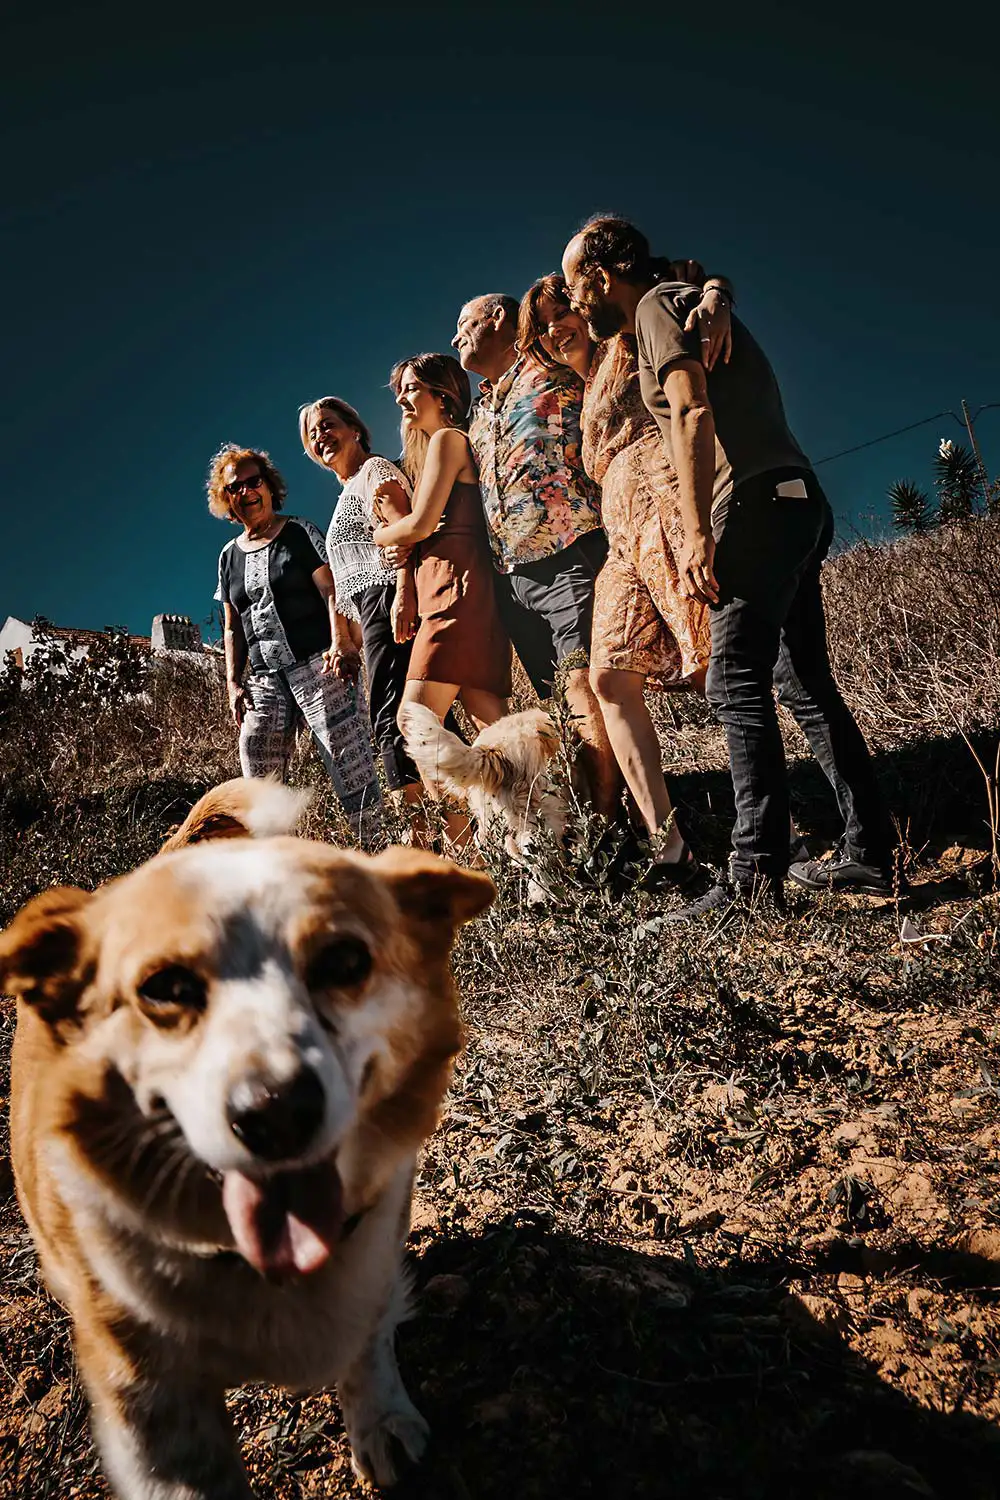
(283, 614)
(355, 561)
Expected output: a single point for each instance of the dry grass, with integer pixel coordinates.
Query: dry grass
(916, 632)
(709, 1214)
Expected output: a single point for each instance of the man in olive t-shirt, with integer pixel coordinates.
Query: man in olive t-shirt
(751, 434)
(757, 527)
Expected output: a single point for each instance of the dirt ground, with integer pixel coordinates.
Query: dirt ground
(709, 1214)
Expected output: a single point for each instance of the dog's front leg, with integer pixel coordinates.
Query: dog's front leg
(385, 1430)
(160, 1441)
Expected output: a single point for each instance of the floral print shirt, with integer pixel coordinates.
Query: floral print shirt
(525, 434)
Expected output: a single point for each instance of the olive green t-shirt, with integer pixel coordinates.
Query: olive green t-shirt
(751, 432)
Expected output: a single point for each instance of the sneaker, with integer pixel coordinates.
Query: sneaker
(725, 898)
(798, 851)
(837, 872)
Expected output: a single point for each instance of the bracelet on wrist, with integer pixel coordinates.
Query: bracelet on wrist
(711, 285)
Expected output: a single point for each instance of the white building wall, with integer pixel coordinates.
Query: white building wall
(16, 636)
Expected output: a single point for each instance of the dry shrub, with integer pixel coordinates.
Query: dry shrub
(915, 632)
(79, 725)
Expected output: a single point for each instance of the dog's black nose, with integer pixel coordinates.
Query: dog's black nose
(277, 1121)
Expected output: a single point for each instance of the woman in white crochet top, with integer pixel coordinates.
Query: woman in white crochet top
(381, 599)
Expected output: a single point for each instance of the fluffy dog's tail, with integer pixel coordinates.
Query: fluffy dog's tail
(247, 807)
(445, 761)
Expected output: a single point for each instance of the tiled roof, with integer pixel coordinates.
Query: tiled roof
(80, 637)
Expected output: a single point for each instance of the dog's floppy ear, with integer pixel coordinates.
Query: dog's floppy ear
(42, 953)
(246, 807)
(433, 890)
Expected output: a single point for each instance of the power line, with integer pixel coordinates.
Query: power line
(924, 422)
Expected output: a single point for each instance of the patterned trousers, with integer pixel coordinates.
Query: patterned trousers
(335, 713)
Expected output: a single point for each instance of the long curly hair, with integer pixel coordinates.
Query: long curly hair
(443, 375)
(219, 502)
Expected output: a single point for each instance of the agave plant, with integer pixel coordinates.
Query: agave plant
(911, 506)
(957, 480)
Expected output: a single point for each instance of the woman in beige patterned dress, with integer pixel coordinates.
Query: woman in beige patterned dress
(645, 629)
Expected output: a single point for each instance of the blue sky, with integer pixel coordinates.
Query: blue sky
(212, 217)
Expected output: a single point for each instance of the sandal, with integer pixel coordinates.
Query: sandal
(675, 875)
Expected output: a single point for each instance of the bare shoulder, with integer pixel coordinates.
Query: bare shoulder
(450, 447)
(450, 440)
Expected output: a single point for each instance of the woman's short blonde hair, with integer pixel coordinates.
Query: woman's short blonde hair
(529, 321)
(344, 410)
(228, 455)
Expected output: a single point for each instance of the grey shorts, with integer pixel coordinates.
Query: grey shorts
(548, 607)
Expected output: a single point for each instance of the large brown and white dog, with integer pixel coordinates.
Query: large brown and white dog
(224, 1066)
(505, 776)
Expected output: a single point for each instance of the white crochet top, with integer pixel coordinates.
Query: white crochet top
(355, 561)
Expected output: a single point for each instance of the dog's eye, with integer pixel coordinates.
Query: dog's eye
(173, 986)
(345, 961)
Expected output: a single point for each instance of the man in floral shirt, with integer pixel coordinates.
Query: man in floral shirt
(543, 515)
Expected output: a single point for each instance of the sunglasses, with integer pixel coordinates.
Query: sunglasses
(241, 486)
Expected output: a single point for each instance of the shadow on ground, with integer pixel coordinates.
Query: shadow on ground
(934, 790)
(550, 1366)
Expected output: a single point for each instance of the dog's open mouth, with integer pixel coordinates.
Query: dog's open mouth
(286, 1224)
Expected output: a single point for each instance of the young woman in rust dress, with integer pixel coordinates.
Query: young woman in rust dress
(460, 649)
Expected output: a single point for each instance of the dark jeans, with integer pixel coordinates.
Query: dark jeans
(769, 631)
(386, 663)
(548, 607)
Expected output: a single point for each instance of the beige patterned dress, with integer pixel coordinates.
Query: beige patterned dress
(642, 621)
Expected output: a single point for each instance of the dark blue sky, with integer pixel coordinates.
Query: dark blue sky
(211, 216)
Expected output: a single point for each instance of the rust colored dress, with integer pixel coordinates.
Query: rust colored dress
(642, 620)
(460, 637)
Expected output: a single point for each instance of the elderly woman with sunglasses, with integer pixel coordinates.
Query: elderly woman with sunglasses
(282, 623)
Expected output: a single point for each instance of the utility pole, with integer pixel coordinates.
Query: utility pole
(983, 477)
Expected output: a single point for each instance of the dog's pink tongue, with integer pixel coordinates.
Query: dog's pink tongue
(287, 1223)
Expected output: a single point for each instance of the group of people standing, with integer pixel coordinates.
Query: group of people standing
(624, 497)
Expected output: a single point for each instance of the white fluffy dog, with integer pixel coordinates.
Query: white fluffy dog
(505, 776)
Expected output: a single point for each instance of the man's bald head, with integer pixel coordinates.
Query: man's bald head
(487, 329)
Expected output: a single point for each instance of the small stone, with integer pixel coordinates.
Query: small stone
(919, 1300)
(53, 1402)
(880, 1473)
(827, 1242)
(30, 1385)
(700, 1220)
(848, 1132)
(982, 1242)
(446, 1292)
(806, 1310)
(496, 1409)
